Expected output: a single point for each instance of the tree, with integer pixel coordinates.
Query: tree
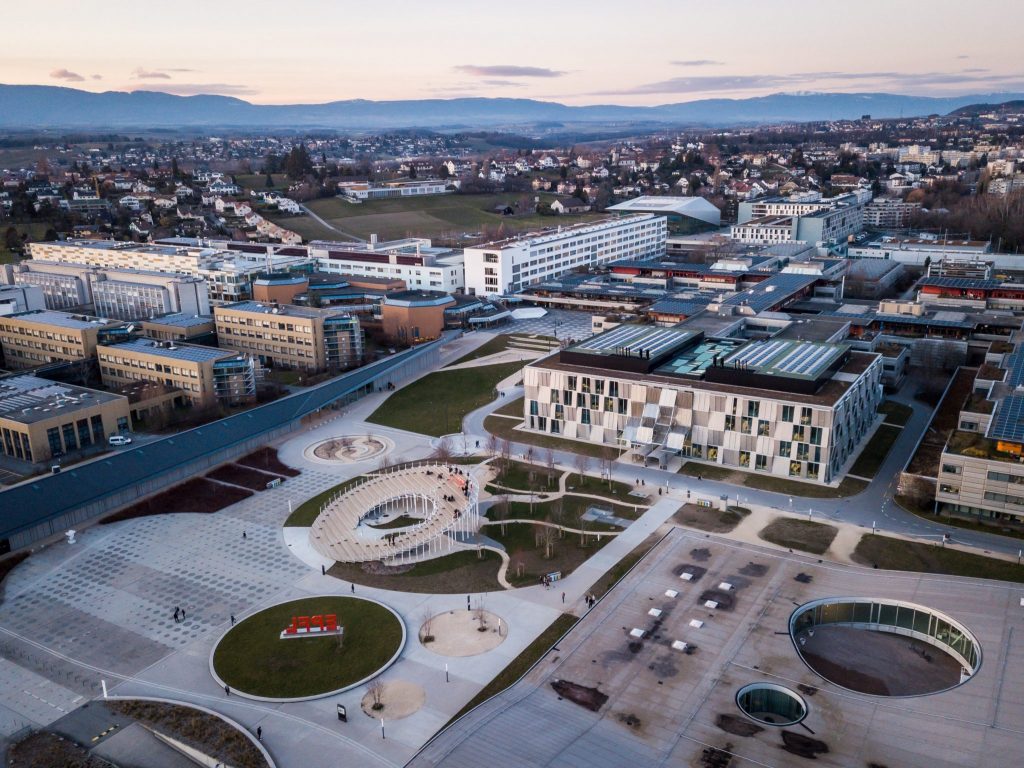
(269, 181)
(499, 511)
(492, 444)
(443, 173)
(426, 626)
(582, 464)
(506, 453)
(412, 171)
(376, 691)
(297, 164)
(547, 536)
(557, 515)
(607, 460)
(175, 173)
(549, 462)
(443, 452)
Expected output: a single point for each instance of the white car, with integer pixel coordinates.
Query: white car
(119, 440)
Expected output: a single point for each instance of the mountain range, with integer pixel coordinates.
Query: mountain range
(33, 106)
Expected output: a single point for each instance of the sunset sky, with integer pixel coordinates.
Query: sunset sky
(642, 52)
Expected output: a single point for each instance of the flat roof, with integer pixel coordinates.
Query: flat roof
(279, 310)
(174, 350)
(538, 238)
(180, 320)
(770, 292)
(63, 319)
(1008, 421)
(786, 357)
(28, 399)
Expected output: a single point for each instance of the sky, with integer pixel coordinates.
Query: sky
(644, 52)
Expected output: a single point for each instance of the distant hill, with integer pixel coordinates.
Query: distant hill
(973, 110)
(30, 106)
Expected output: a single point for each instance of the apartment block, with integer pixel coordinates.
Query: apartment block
(783, 407)
(20, 298)
(288, 336)
(807, 218)
(31, 339)
(508, 266)
(413, 260)
(368, 190)
(889, 213)
(205, 376)
(41, 419)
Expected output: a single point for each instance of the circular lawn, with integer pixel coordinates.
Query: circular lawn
(253, 659)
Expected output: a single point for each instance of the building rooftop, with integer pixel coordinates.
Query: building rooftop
(413, 298)
(785, 357)
(63, 319)
(180, 320)
(173, 350)
(560, 232)
(634, 341)
(28, 399)
(768, 293)
(280, 310)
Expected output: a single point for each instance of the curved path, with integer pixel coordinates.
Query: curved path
(330, 226)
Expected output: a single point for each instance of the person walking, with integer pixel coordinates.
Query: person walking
(182, 614)
(177, 610)
(563, 597)
(227, 689)
(259, 733)
(323, 569)
(232, 619)
(353, 588)
(243, 535)
(467, 602)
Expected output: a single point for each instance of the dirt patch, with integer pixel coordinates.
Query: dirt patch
(805, 535)
(588, 698)
(715, 757)
(803, 746)
(398, 697)
(198, 729)
(463, 633)
(196, 495)
(737, 726)
(700, 555)
(247, 477)
(266, 459)
(808, 690)
(707, 518)
(629, 719)
(43, 749)
(695, 571)
(726, 600)
(754, 569)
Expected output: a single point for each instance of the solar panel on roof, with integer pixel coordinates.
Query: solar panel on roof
(1008, 421)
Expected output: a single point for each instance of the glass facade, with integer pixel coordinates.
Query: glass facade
(882, 615)
(771, 704)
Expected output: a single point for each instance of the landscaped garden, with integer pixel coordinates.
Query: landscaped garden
(458, 573)
(252, 657)
(899, 555)
(805, 535)
(707, 518)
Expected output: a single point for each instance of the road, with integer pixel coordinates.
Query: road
(872, 507)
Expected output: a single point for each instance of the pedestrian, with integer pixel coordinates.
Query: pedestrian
(563, 597)
(182, 614)
(467, 602)
(477, 443)
(232, 619)
(227, 690)
(243, 535)
(323, 569)
(176, 612)
(353, 588)
(259, 733)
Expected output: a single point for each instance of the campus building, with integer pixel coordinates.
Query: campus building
(410, 317)
(413, 260)
(508, 266)
(370, 190)
(20, 298)
(41, 419)
(204, 376)
(806, 218)
(39, 337)
(783, 407)
(293, 337)
(681, 213)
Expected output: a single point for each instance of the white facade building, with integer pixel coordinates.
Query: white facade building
(508, 266)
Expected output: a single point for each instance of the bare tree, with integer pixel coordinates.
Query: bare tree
(505, 449)
(607, 460)
(492, 444)
(376, 691)
(547, 536)
(582, 464)
(532, 482)
(581, 523)
(480, 615)
(499, 511)
(426, 627)
(557, 515)
(530, 454)
(443, 452)
(549, 462)
(384, 462)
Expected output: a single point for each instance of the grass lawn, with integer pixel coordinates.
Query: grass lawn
(895, 413)
(708, 518)
(595, 486)
(434, 216)
(459, 573)
(252, 657)
(307, 227)
(515, 408)
(522, 663)
(517, 474)
(402, 521)
(304, 515)
(506, 428)
(497, 344)
(875, 451)
(437, 403)
(804, 535)
(258, 181)
(898, 555)
(848, 487)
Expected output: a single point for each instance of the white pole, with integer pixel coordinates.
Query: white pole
(104, 684)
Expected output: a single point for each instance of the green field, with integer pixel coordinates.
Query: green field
(805, 535)
(258, 181)
(898, 555)
(437, 403)
(875, 451)
(436, 216)
(253, 658)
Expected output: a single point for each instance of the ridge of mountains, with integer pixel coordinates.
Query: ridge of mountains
(33, 106)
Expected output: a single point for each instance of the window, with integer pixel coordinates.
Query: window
(815, 435)
(69, 437)
(787, 413)
(599, 386)
(763, 428)
(784, 448)
(585, 416)
(805, 415)
(613, 388)
(951, 489)
(730, 423)
(1001, 477)
(53, 437)
(533, 407)
(554, 396)
(572, 382)
(744, 458)
(953, 469)
(745, 425)
(753, 408)
(623, 404)
(968, 426)
(761, 462)
(798, 435)
(586, 385)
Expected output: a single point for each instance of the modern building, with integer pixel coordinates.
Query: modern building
(227, 272)
(198, 329)
(31, 339)
(415, 261)
(41, 420)
(411, 317)
(889, 213)
(369, 190)
(205, 376)
(508, 266)
(806, 218)
(681, 213)
(784, 407)
(289, 336)
(919, 251)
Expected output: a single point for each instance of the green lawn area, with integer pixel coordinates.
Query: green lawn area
(895, 413)
(804, 535)
(898, 555)
(517, 474)
(708, 518)
(258, 181)
(459, 573)
(506, 428)
(434, 216)
(497, 344)
(515, 408)
(847, 487)
(253, 658)
(304, 515)
(522, 663)
(874, 451)
(306, 226)
(595, 486)
(437, 403)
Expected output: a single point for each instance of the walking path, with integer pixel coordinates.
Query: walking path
(330, 226)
